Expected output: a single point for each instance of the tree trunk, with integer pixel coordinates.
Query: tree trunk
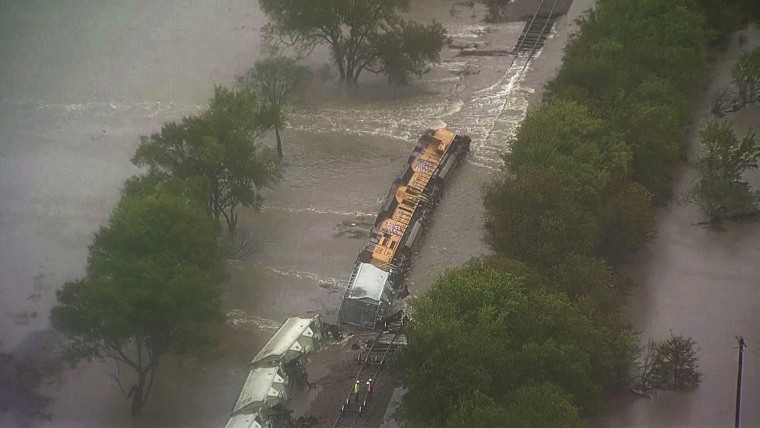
(349, 70)
(231, 220)
(140, 391)
(138, 401)
(338, 54)
(279, 143)
(356, 74)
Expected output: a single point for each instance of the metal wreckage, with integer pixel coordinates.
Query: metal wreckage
(376, 282)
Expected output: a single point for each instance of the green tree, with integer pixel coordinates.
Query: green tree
(720, 191)
(480, 329)
(746, 74)
(535, 216)
(725, 16)
(626, 221)
(193, 190)
(275, 79)
(362, 35)
(675, 364)
(586, 280)
(566, 136)
(151, 289)
(541, 405)
(532, 406)
(631, 41)
(643, 380)
(651, 119)
(566, 191)
(219, 147)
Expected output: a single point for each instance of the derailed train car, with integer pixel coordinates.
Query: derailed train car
(275, 372)
(379, 271)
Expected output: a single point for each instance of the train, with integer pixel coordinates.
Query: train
(379, 273)
(376, 280)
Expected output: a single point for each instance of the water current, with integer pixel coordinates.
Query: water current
(81, 81)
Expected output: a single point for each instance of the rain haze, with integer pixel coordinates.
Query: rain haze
(82, 80)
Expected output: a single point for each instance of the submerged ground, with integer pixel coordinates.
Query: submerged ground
(704, 283)
(79, 85)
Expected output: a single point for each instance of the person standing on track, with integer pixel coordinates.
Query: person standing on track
(357, 387)
(369, 388)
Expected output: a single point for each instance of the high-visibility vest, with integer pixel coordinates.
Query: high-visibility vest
(356, 388)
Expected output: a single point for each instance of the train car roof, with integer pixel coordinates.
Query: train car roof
(369, 282)
(263, 386)
(285, 338)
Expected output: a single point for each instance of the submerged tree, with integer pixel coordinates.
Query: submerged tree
(643, 380)
(721, 192)
(219, 147)
(670, 364)
(362, 35)
(675, 364)
(746, 74)
(151, 289)
(275, 79)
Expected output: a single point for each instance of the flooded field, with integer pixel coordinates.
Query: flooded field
(81, 83)
(699, 282)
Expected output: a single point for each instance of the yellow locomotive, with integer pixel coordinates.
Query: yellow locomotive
(378, 275)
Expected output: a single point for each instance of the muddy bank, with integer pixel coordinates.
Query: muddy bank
(703, 283)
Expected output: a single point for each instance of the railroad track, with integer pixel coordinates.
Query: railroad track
(535, 31)
(371, 362)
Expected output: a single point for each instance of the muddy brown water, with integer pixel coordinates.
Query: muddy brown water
(80, 82)
(703, 283)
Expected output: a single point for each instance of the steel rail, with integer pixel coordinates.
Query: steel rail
(543, 28)
(375, 375)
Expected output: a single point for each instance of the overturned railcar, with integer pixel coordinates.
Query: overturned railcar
(274, 373)
(379, 271)
(261, 402)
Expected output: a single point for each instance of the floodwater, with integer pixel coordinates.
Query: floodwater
(702, 283)
(81, 81)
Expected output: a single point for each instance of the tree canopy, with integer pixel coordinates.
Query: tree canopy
(746, 74)
(634, 67)
(219, 148)
(566, 191)
(482, 331)
(361, 34)
(675, 364)
(531, 406)
(275, 79)
(151, 288)
(668, 364)
(721, 191)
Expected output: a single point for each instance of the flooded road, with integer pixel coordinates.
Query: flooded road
(81, 83)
